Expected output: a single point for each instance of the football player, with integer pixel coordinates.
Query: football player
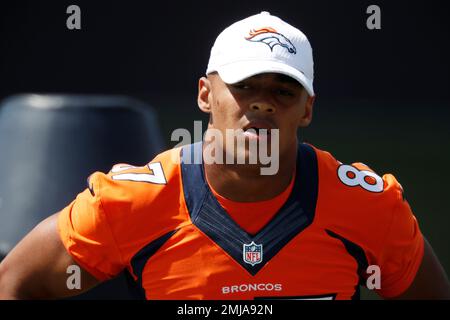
(181, 229)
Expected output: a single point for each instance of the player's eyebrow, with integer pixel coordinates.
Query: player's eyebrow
(283, 79)
(286, 79)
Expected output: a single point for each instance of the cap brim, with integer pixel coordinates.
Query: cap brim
(238, 71)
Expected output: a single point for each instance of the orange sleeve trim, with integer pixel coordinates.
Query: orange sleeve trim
(67, 241)
(403, 285)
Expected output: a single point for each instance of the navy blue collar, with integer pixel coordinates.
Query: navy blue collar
(208, 215)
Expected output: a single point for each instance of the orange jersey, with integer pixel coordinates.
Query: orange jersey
(164, 226)
(252, 216)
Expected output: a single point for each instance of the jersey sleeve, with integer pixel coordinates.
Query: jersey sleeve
(86, 234)
(402, 251)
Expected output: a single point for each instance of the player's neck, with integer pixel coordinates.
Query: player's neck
(245, 183)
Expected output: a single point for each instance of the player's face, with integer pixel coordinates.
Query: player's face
(266, 101)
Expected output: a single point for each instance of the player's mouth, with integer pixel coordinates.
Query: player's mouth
(258, 129)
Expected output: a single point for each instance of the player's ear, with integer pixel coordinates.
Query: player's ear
(307, 114)
(204, 92)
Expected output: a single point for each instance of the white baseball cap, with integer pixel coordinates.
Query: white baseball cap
(262, 43)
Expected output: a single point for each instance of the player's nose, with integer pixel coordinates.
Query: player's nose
(262, 107)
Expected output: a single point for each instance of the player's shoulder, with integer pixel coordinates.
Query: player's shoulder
(357, 202)
(140, 185)
(356, 182)
(139, 203)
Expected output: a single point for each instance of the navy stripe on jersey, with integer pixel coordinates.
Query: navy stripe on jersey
(294, 216)
(139, 261)
(360, 257)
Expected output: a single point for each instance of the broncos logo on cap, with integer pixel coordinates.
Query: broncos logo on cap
(272, 38)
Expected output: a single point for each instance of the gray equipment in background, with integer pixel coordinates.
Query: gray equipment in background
(50, 144)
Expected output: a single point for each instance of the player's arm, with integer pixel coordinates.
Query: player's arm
(430, 282)
(37, 267)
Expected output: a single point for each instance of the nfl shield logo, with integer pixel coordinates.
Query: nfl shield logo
(252, 253)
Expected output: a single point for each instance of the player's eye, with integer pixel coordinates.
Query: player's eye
(285, 92)
(241, 86)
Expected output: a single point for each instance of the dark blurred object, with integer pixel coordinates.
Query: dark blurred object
(50, 144)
